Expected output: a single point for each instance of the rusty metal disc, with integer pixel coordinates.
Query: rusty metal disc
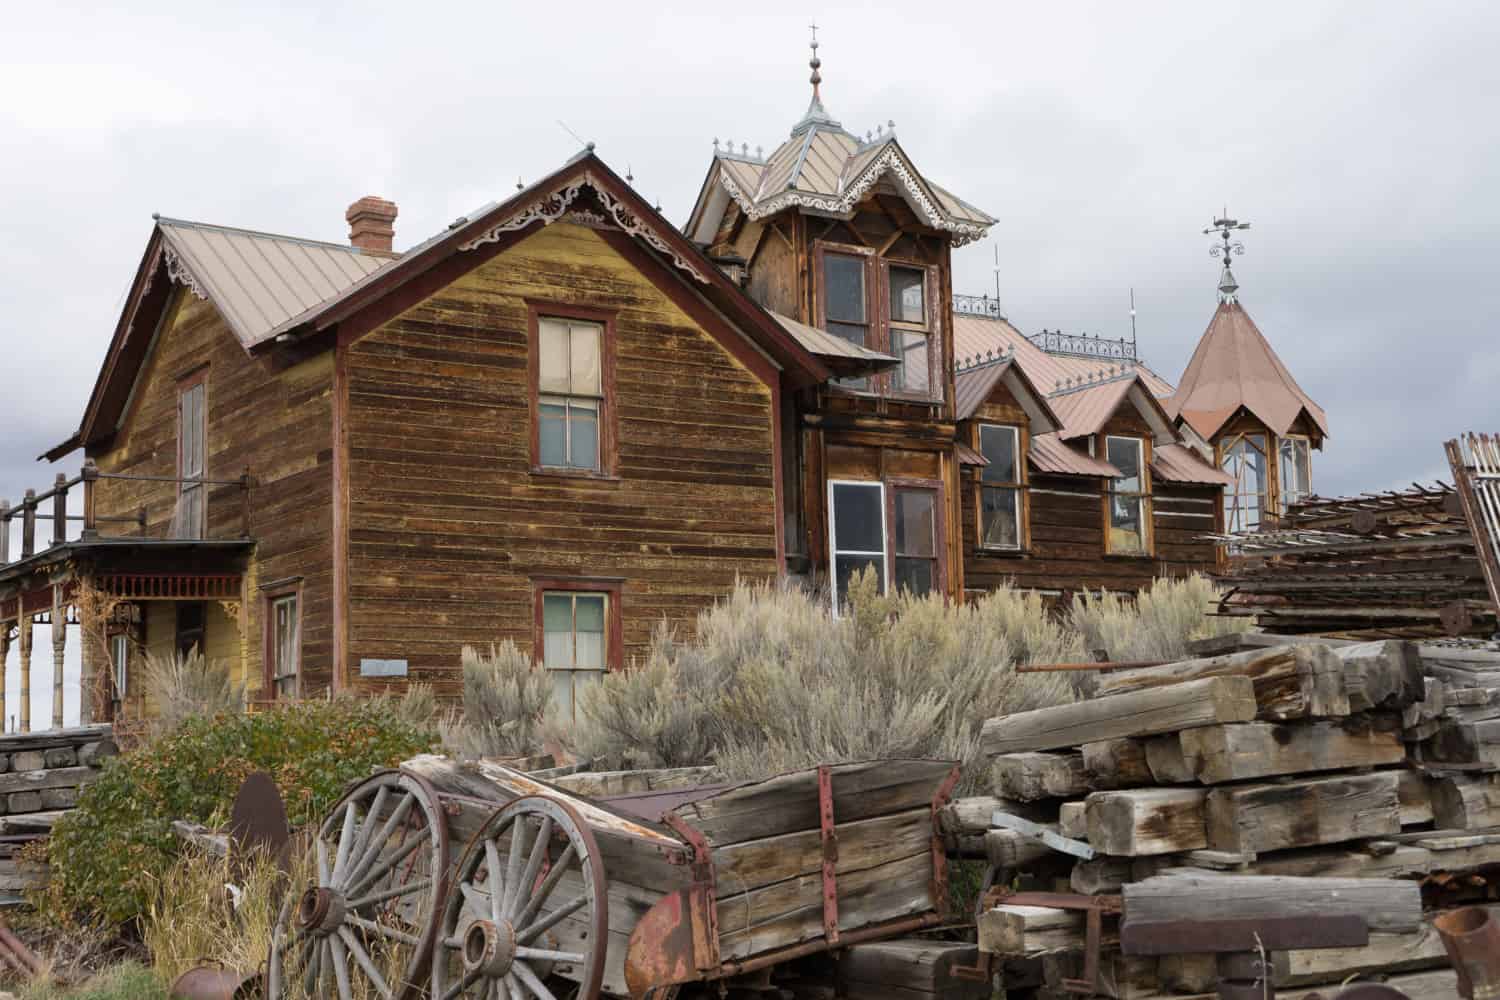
(258, 822)
(1372, 991)
(210, 982)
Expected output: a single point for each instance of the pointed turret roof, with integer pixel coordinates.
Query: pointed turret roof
(1233, 367)
(826, 168)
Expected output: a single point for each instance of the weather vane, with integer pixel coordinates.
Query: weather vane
(1223, 226)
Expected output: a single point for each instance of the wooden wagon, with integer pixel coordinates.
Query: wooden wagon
(478, 881)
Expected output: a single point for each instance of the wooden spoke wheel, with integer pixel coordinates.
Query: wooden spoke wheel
(528, 918)
(362, 924)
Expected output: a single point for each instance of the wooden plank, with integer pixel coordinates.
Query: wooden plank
(1216, 754)
(1414, 790)
(1144, 712)
(1072, 820)
(971, 814)
(1146, 821)
(1290, 682)
(1385, 904)
(1381, 674)
(922, 966)
(35, 781)
(1260, 818)
(1031, 776)
(599, 784)
(1165, 758)
(1117, 763)
(789, 802)
(1465, 802)
(863, 844)
(1028, 931)
(1100, 875)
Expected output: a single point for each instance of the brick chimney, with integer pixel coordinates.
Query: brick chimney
(372, 224)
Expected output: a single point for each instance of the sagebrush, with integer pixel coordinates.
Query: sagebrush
(507, 704)
(109, 855)
(1154, 624)
(188, 685)
(772, 681)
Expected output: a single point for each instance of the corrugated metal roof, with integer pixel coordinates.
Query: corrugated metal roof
(1234, 366)
(1178, 463)
(825, 344)
(976, 336)
(1084, 411)
(259, 280)
(973, 386)
(967, 455)
(1050, 453)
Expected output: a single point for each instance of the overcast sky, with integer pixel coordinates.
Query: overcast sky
(1360, 139)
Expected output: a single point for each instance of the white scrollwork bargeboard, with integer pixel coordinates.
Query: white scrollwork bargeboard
(551, 207)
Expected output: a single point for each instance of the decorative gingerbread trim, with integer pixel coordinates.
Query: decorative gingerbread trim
(178, 271)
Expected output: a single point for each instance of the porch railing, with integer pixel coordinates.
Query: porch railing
(53, 505)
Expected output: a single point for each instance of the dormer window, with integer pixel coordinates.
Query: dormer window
(884, 306)
(1129, 500)
(909, 332)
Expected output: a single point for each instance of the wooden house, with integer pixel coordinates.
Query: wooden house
(563, 421)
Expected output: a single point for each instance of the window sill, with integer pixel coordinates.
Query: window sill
(1131, 556)
(571, 475)
(1001, 553)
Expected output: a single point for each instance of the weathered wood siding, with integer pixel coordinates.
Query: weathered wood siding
(448, 525)
(278, 425)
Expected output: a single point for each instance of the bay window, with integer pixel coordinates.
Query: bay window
(1129, 497)
(883, 306)
(1000, 486)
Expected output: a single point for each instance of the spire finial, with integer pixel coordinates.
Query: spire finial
(1223, 226)
(815, 62)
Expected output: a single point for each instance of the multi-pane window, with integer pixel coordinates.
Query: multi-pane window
(916, 542)
(1000, 487)
(191, 435)
(119, 655)
(857, 513)
(1128, 496)
(570, 393)
(846, 308)
(1245, 459)
(286, 647)
(574, 644)
(909, 331)
(1296, 470)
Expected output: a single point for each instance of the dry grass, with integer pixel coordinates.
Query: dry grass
(506, 705)
(186, 685)
(773, 682)
(1156, 624)
(125, 981)
(196, 918)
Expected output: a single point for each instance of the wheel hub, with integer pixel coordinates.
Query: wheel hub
(489, 947)
(320, 910)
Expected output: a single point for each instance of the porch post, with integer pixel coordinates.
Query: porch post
(4, 668)
(59, 648)
(23, 622)
(92, 642)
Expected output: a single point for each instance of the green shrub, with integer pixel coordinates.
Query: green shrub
(773, 682)
(1155, 624)
(506, 705)
(109, 854)
(125, 981)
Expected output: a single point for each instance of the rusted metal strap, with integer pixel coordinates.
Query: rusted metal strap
(1094, 907)
(830, 834)
(939, 885)
(703, 894)
(1181, 937)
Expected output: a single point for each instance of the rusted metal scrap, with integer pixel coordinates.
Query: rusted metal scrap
(1472, 939)
(212, 982)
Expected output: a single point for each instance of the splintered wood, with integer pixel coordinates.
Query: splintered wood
(1275, 776)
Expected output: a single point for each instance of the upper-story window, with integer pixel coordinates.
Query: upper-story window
(1000, 487)
(1129, 497)
(1296, 470)
(192, 434)
(571, 395)
(884, 306)
(1245, 458)
(846, 305)
(909, 330)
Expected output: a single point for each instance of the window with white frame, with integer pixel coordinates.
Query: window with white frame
(570, 393)
(1000, 499)
(575, 644)
(856, 514)
(1245, 458)
(1129, 497)
(285, 653)
(1296, 469)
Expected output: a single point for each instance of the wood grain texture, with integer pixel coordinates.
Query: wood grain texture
(1144, 712)
(1385, 904)
(1258, 818)
(1216, 754)
(1291, 682)
(1146, 821)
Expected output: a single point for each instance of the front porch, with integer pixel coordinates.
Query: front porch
(123, 592)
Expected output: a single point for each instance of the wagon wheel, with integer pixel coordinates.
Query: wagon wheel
(510, 925)
(364, 924)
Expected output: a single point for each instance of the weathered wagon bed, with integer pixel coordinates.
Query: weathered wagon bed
(626, 882)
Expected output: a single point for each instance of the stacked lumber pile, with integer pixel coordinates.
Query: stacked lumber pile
(41, 775)
(1376, 565)
(1204, 787)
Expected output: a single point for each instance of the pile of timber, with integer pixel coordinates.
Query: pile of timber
(1217, 787)
(1399, 563)
(41, 775)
